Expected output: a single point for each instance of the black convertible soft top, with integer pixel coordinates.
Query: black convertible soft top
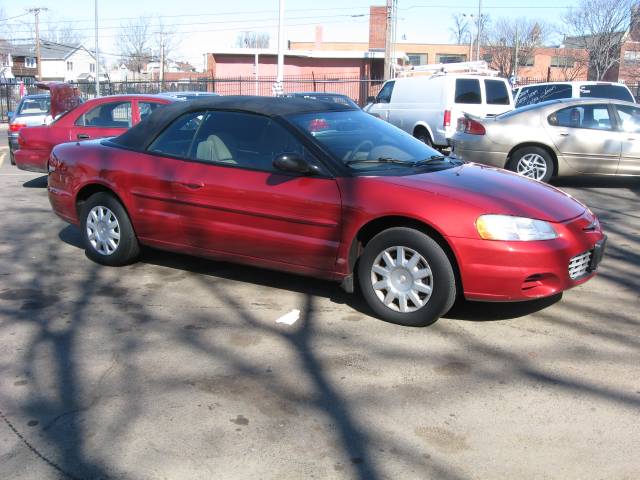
(138, 137)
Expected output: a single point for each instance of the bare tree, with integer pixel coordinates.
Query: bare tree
(252, 40)
(501, 43)
(135, 44)
(461, 29)
(60, 31)
(571, 62)
(598, 26)
(168, 37)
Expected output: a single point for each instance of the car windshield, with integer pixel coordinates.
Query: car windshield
(34, 106)
(364, 142)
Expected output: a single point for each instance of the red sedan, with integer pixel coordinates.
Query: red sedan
(329, 191)
(96, 118)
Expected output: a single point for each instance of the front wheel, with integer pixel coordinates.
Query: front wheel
(532, 162)
(107, 232)
(406, 277)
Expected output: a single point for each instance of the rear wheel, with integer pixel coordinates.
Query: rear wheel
(422, 135)
(406, 277)
(532, 162)
(107, 232)
(12, 157)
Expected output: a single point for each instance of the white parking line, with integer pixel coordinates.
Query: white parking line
(2, 159)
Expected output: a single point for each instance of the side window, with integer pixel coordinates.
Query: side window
(629, 118)
(385, 94)
(176, 139)
(107, 115)
(594, 117)
(497, 93)
(244, 140)
(467, 91)
(147, 108)
(542, 93)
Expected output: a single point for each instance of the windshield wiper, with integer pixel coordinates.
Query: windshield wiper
(431, 159)
(381, 160)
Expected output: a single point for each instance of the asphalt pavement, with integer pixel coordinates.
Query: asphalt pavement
(175, 367)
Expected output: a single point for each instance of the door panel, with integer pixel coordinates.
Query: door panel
(584, 135)
(629, 119)
(264, 215)
(105, 120)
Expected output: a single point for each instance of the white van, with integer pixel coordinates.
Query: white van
(541, 92)
(428, 107)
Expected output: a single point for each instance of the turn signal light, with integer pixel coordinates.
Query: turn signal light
(15, 127)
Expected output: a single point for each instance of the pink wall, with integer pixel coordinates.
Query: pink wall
(243, 65)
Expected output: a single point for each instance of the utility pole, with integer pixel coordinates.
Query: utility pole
(161, 61)
(36, 11)
(515, 65)
(479, 29)
(97, 72)
(278, 89)
(387, 41)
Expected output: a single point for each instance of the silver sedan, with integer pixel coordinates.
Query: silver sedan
(556, 138)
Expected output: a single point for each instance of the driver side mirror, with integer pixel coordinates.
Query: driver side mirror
(294, 163)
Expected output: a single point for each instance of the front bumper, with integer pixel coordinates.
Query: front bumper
(515, 271)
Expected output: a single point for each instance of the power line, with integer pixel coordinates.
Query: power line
(208, 22)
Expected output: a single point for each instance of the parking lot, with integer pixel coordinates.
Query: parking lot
(175, 367)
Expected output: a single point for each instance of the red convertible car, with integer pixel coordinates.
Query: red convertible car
(96, 118)
(326, 190)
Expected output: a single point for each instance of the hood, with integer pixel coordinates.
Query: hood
(493, 190)
(64, 97)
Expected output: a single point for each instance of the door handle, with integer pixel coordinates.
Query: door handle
(564, 134)
(83, 136)
(191, 186)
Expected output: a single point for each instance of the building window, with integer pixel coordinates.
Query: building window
(30, 62)
(562, 62)
(450, 58)
(69, 66)
(525, 62)
(487, 57)
(92, 67)
(631, 56)
(416, 59)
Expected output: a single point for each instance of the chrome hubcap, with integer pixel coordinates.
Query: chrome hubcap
(402, 279)
(103, 230)
(532, 165)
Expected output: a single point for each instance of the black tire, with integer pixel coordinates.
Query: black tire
(127, 249)
(423, 135)
(12, 158)
(443, 281)
(541, 152)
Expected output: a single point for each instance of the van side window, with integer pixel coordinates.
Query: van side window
(385, 94)
(497, 93)
(468, 91)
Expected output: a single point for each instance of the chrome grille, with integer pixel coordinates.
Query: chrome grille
(579, 264)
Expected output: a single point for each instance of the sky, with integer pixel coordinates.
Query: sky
(207, 26)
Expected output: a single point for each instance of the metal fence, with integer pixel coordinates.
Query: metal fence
(356, 88)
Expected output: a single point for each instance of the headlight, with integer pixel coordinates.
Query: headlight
(505, 227)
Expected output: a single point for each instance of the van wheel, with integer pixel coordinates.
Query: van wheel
(422, 135)
(406, 278)
(532, 162)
